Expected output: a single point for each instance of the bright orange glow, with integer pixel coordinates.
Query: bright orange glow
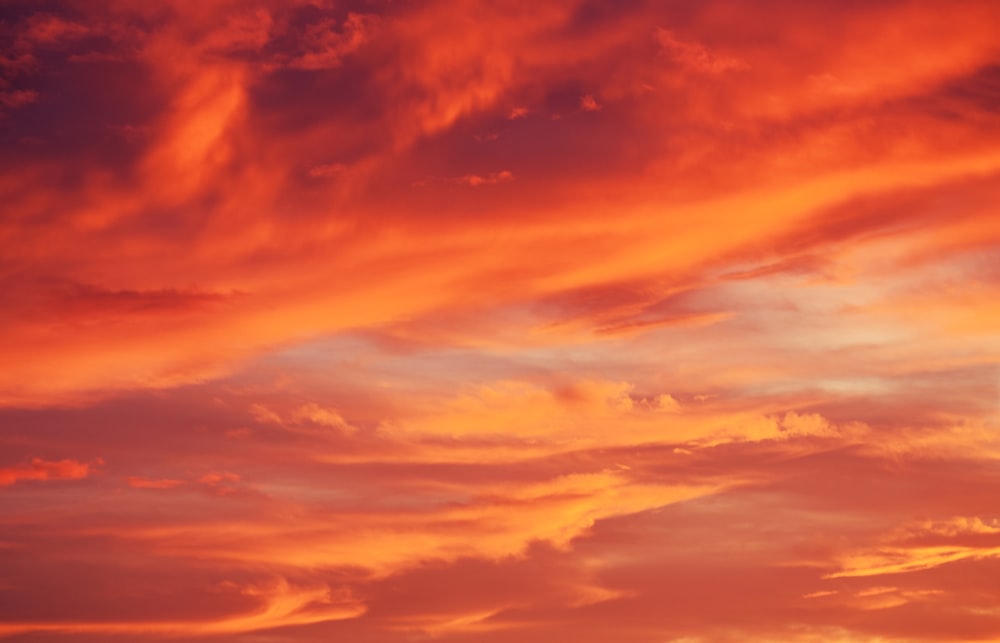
(478, 321)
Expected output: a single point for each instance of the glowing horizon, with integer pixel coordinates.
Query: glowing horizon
(481, 321)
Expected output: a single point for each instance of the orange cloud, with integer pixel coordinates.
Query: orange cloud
(195, 149)
(281, 605)
(39, 469)
(465, 321)
(925, 546)
(588, 414)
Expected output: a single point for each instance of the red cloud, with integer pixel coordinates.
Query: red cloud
(40, 469)
(600, 330)
(138, 482)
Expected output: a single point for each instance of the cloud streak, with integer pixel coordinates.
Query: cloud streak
(39, 469)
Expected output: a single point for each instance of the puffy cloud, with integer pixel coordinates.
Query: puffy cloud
(589, 104)
(308, 419)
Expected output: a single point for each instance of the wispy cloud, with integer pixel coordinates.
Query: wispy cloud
(385, 320)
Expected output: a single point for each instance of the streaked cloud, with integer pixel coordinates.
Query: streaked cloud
(39, 469)
(600, 321)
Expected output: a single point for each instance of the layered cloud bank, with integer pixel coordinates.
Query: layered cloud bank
(473, 321)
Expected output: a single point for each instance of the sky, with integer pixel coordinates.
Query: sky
(481, 321)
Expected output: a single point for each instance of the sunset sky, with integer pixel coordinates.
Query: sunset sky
(479, 321)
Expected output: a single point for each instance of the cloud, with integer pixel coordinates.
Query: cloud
(307, 419)
(474, 180)
(315, 414)
(18, 98)
(39, 469)
(518, 112)
(226, 145)
(500, 523)
(924, 546)
(325, 45)
(363, 299)
(45, 29)
(138, 482)
(327, 170)
(592, 413)
(589, 104)
(696, 57)
(279, 605)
